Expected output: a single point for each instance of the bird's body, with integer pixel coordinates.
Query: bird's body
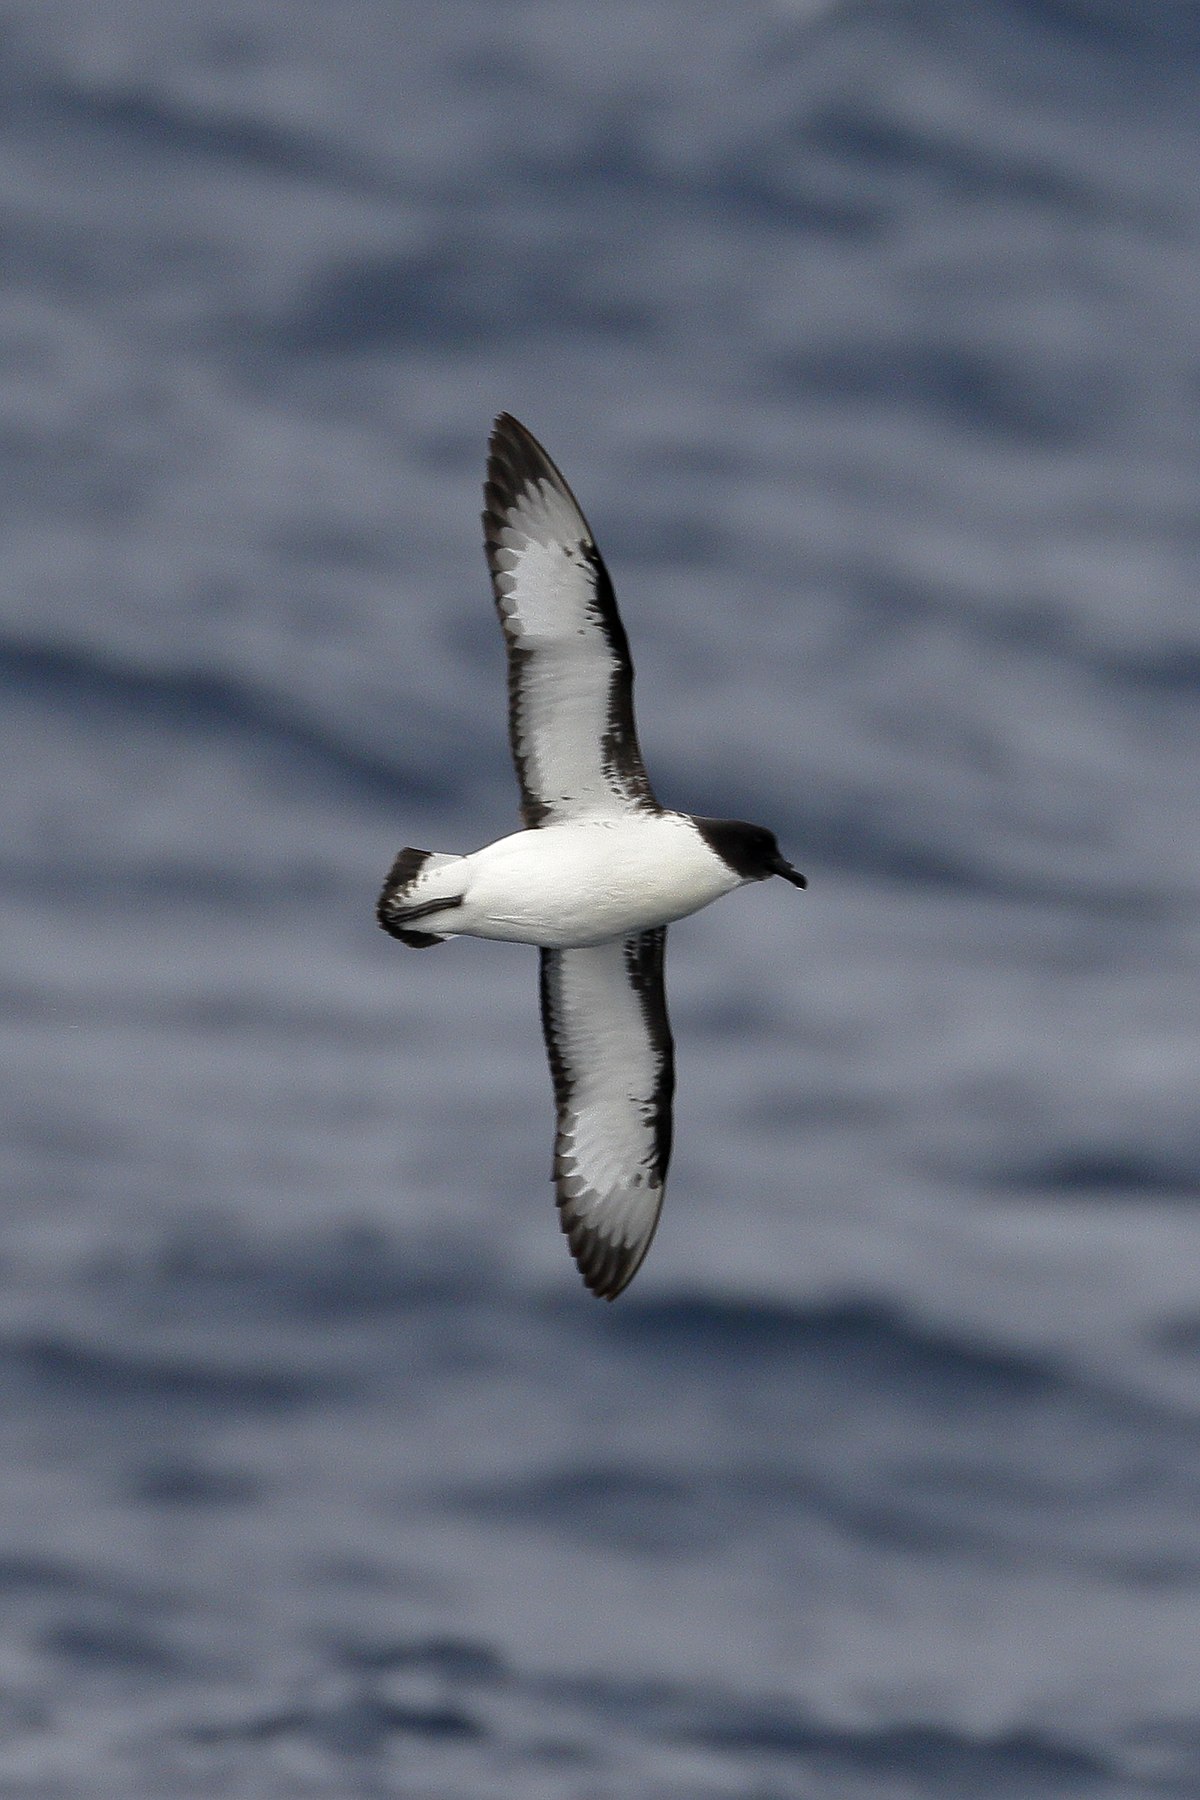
(567, 885)
(597, 874)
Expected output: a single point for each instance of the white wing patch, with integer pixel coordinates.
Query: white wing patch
(570, 677)
(609, 1042)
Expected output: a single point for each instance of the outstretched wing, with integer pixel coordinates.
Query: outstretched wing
(570, 678)
(604, 1014)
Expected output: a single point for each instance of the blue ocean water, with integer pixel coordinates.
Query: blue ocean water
(869, 335)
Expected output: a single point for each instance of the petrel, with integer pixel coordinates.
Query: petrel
(596, 875)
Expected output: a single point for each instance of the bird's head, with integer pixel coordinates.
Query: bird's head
(750, 850)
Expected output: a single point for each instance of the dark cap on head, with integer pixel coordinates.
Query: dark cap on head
(750, 850)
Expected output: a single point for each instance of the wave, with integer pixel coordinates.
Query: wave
(360, 1722)
(460, 1659)
(635, 1511)
(856, 841)
(22, 1575)
(863, 1339)
(142, 121)
(916, 1752)
(116, 1646)
(371, 1703)
(920, 1754)
(1103, 1172)
(87, 1372)
(995, 393)
(1169, 28)
(434, 297)
(183, 1483)
(204, 703)
(869, 138)
(642, 1512)
(349, 1273)
(1007, 1762)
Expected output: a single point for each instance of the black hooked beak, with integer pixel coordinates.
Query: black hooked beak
(780, 867)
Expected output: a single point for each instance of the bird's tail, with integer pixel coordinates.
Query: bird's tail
(420, 884)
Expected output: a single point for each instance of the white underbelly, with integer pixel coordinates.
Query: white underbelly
(565, 886)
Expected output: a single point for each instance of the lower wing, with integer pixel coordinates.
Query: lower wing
(604, 1015)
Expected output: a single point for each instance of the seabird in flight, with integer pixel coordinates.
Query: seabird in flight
(596, 875)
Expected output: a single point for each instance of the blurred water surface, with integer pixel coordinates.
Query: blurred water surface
(870, 339)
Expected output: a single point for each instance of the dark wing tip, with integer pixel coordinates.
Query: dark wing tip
(517, 461)
(514, 445)
(607, 1268)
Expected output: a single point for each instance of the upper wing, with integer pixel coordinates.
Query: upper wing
(570, 678)
(604, 1014)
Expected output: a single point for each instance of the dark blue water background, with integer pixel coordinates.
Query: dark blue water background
(871, 339)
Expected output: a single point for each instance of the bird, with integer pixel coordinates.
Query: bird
(596, 874)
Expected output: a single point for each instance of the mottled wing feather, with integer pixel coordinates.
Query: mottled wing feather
(604, 1014)
(570, 677)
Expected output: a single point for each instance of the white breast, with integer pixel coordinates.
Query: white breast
(564, 886)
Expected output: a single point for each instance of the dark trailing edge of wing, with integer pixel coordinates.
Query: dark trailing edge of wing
(516, 461)
(608, 1268)
(645, 958)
